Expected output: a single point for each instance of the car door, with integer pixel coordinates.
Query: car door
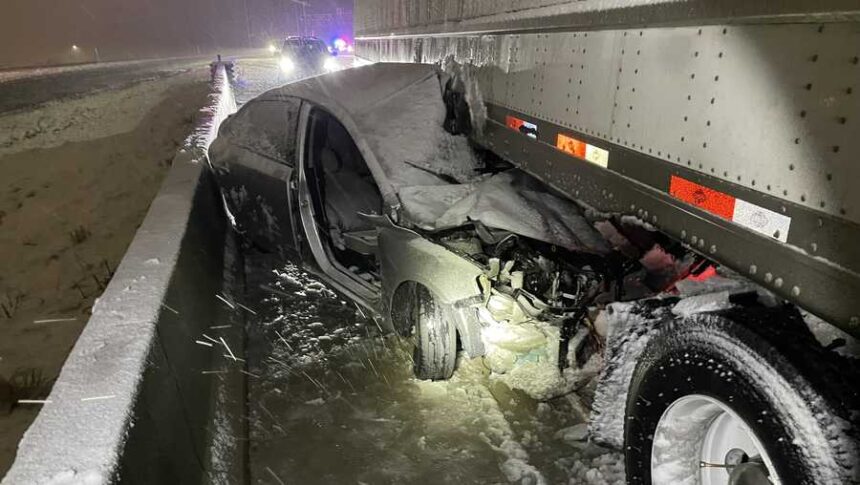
(254, 160)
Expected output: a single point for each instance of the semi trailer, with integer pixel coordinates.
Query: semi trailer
(659, 190)
(727, 127)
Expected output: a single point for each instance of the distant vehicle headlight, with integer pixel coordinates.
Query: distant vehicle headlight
(286, 64)
(330, 64)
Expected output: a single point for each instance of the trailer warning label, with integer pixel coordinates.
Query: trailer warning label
(739, 211)
(580, 149)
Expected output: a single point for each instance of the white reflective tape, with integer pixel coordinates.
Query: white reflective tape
(759, 219)
(597, 155)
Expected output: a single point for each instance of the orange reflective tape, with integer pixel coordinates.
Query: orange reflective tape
(707, 199)
(570, 145)
(513, 122)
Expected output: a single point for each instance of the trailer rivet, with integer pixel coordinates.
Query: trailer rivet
(778, 283)
(683, 234)
(814, 247)
(795, 291)
(694, 239)
(713, 248)
(854, 321)
(701, 243)
(768, 277)
(654, 219)
(753, 269)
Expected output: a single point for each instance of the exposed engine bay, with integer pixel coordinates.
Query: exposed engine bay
(541, 303)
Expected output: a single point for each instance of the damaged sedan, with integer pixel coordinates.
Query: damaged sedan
(434, 237)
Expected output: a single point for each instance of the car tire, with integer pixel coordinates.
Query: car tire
(755, 376)
(435, 352)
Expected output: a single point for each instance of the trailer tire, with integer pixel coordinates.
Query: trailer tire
(763, 383)
(435, 353)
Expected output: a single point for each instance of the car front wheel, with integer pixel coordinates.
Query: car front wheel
(435, 352)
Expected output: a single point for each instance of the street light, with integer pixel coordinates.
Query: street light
(75, 48)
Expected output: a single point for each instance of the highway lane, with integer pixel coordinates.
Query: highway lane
(255, 76)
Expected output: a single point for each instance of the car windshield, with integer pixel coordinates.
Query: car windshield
(303, 47)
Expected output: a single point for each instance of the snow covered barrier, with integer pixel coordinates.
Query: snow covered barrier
(134, 401)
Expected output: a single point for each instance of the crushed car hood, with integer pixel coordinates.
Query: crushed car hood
(395, 114)
(512, 201)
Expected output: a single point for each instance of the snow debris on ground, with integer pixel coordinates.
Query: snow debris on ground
(331, 385)
(595, 467)
(577, 433)
(708, 302)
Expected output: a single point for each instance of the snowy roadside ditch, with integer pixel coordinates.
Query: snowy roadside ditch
(130, 401)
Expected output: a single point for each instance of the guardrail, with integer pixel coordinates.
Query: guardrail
(134, 401)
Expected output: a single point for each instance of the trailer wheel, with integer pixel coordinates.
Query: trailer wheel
(435, 351)
(713, 402)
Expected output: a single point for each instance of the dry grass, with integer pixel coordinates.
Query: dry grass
(30, 383)
(10, 303)
(79, 235)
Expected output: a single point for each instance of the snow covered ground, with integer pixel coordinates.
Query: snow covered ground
(333, 401)
(97, 115)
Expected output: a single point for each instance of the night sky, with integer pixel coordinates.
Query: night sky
(35, 32)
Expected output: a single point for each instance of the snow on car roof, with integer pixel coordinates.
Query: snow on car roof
(396, 122)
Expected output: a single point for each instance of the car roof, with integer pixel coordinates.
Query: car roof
(378, 83)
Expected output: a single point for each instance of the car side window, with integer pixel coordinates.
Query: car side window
(268, 128)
